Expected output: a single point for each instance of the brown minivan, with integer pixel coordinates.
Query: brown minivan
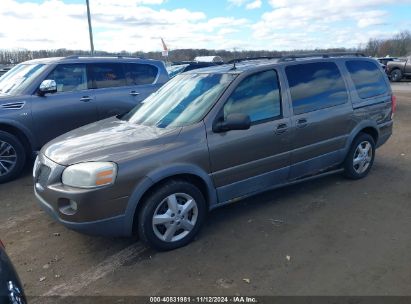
(211, 136)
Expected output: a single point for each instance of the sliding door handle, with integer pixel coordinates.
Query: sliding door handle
(86, 98)
(302, 122)
(281, 128)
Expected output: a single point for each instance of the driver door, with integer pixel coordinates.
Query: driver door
(70, 107)
(248, 161)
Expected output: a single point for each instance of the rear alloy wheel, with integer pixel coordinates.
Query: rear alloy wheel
(172, 215)
(396, 75)
(12, 157)
(360, 158)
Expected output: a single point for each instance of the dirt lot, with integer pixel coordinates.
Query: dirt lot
(341, 238)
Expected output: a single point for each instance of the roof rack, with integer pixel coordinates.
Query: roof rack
(321, 55)
(293, 57)
(99, 56)
(252, 58)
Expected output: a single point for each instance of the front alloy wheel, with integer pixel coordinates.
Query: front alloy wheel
(171, 215)
(8, 158)
(12, 157)
(175, 217)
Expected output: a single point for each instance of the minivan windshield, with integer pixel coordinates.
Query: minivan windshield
(19, 78)
(182, 101)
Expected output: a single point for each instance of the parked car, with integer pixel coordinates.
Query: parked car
(385, 60)
(41, 99)
(11, 289)
(213, 136)
(399, 69)
(216, 59)
(4, 70)
(185, 66)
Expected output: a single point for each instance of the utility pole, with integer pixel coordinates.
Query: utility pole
(90, 30)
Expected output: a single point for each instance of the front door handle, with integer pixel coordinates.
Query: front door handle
(302, 122)
(281, 128)
(85, 98)
(134, 93)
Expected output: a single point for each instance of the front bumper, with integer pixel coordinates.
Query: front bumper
(114, 226)
(99, 211)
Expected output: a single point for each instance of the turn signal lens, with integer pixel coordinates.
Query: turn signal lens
(105, 177)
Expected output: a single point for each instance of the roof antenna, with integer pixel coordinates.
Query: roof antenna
(235, 59)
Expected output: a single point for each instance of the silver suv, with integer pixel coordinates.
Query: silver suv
(212, 136)
(41, 99)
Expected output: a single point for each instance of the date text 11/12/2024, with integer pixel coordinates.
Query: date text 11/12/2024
(203, 299)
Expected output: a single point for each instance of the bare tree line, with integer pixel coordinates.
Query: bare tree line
(399, 45)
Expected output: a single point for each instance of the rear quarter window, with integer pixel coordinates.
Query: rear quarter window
(107, 75)
(315, 86)
(367, 78)
(140, 74)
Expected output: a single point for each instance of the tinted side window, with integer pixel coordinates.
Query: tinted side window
(137, 74)
(315, 86)
(107, 75)
(69, 77)
(367, 78)
(257, 96)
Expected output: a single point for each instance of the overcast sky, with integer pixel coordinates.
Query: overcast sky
(137, 25)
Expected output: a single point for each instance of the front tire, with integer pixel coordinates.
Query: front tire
(360, 157)
(171, 215)
(12, 157)
(396, 75)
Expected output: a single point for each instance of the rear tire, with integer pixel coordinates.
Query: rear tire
(396, 75)
(360, 157)
(171, 215)
(12, 157)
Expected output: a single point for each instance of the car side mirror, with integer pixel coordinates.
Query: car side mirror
(235, 121)
(47, 86)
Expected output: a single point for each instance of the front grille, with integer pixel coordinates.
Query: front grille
(43, 175)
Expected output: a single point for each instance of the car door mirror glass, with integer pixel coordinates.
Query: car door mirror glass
(234, 121)
(48, 86)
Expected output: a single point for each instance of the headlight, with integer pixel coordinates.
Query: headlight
(90, 175)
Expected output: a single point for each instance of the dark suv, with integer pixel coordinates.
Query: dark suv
(11, 289)
(41, 99)
(212, 136)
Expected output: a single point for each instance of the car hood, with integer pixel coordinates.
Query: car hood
(107, 140)
(6, 98)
